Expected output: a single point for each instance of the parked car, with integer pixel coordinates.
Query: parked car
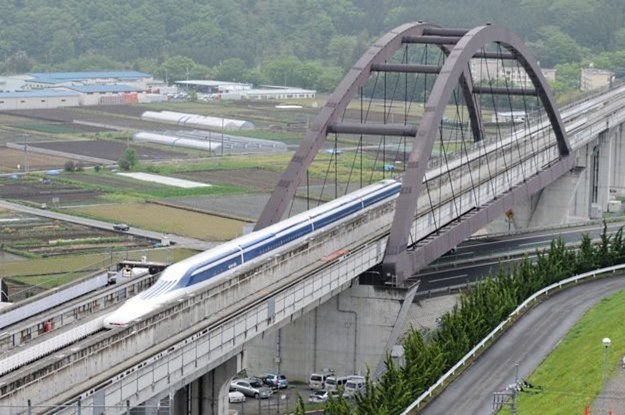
(275, 381)
(235, 396)
(354, 385)
(333, 383)
(121, 227)
(251, 387)
(318, 396)
(322, 395)
(318, 380)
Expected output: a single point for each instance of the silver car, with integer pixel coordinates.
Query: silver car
(251, 387)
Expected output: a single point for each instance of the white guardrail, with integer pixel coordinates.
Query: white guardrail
(481, 345)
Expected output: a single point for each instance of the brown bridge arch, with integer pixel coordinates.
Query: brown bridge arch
(461, 46)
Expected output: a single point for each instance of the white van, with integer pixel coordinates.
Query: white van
(354, 385)
(318, 380)
(335, 382)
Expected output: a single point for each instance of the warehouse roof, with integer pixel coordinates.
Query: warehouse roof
(56, 77)
(87, 89)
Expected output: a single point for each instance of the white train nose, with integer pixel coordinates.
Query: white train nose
(128, 313)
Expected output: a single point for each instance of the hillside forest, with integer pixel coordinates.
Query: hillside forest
(305, 43)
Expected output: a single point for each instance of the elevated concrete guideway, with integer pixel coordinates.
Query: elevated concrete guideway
(144, 362)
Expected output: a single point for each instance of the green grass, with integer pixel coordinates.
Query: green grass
(128, 189)
(180, 221)
(572, 375)
(279, 162)
(289, 137)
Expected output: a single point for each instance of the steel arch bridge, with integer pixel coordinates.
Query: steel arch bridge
(459, 169)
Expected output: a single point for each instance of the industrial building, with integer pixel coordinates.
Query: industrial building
(106, 94)
(45, 98)
(236, 90)
(136, 79)
(269, 93)
(213, 87)
(591, 78)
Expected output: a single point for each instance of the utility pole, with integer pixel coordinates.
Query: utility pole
(515, 388)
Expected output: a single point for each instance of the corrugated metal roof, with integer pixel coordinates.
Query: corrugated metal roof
(39, 93)
(81, 76)
(85, 89)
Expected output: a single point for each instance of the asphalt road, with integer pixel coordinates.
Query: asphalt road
(527, 343)
(475, 259)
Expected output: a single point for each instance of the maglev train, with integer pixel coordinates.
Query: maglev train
(195, 272)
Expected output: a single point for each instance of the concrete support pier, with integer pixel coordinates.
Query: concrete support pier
(617, 177)
(208, 394)
(349, 333)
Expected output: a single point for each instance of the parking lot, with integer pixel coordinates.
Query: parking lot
(282, 401)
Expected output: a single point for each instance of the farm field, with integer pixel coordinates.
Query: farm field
(10, 159)
(38, 190)
(108, 149)
(166, 219)
(45, 255)
(119, 188)
(35, 237)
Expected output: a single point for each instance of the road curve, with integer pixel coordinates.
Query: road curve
(527, 343)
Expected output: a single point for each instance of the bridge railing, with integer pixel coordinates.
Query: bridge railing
(577, 99)
(421, 400)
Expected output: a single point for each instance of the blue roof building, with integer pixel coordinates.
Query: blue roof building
(66, 77)
(101, 89)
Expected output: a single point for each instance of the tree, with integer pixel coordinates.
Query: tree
(299, 406)
(567, 78)
(128, 160)
(19, 62)
(233, 70)
(178, 68)
(619, 38)
(554, 46)
(62, 47)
